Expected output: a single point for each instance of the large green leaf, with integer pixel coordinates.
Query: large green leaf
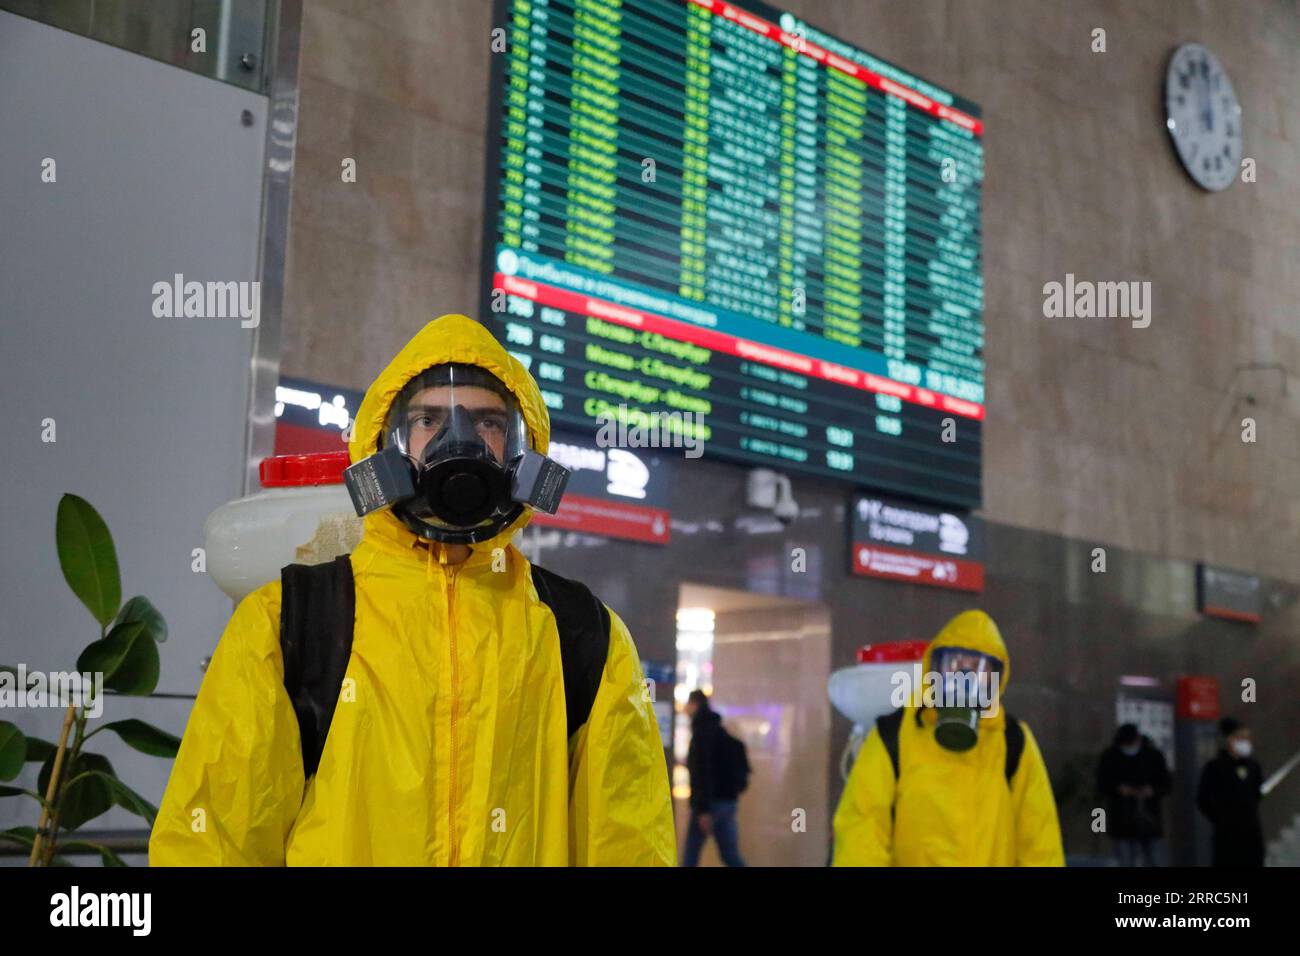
(128, 799)
(88, 558)
(24, 835)
(127, 657)
(38, 749)
(105, 655)
(140, 669)
(140, 609)
(11, 791)
(13, 750)
(145, 737)
(86, 798)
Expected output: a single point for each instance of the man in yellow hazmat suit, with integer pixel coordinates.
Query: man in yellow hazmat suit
(943, 785)
(487, 712)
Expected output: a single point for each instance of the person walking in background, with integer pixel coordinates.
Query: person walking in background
(719, 769)
(1133, 779)
(1229, 797)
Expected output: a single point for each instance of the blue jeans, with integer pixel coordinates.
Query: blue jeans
(1148, 852)
(724, 831)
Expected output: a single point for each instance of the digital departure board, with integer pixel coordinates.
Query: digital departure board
(714, 208)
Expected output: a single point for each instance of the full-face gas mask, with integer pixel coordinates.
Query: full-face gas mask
(969, 683)
(455, 462)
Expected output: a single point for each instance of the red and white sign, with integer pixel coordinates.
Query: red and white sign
(904, 541)
(613, 519)
(1198, 698)
(912, 566)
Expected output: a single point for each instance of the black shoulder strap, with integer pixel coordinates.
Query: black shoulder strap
(1015, 746)
(583, 623)
(317, 614)
(316, 622)
(888, 726)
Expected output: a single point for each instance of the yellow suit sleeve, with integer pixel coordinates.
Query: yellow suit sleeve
(620, 808)
(864, 825)
(237, 783)
(1038, 832)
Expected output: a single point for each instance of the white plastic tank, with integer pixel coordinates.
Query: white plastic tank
(304, 515)
(863, 692)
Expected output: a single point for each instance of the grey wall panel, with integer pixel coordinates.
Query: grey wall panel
(157, 174)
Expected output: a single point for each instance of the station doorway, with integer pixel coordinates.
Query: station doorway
(764, 661)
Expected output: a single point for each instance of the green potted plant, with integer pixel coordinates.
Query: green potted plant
(75, 785)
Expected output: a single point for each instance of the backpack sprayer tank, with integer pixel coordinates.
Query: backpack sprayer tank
(304, 516)
(863, 692)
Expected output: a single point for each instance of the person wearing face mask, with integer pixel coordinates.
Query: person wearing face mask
(951, 779)
(432, 699)
(1133, 779)
(1229, 795)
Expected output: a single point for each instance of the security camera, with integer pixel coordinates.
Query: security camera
(770, 491)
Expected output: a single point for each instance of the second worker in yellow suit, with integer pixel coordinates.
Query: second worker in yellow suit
(452, 743)
(950, 803)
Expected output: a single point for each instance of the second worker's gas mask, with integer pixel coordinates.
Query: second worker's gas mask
(970, 684)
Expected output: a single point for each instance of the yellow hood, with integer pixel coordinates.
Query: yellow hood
(974, 630)
(449, 338)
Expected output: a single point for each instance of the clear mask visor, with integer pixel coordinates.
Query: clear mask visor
(454, 407)
(969, 670)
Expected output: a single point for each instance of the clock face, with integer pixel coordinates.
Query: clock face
(1203, 116)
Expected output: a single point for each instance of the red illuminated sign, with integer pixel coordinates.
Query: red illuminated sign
(1198, 698)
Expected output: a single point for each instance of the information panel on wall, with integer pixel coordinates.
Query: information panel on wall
(714, 209)
(901, 541)
(1228, 594)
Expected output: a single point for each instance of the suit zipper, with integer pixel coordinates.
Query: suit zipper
(452, 845)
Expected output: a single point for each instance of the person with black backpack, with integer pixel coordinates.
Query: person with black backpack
(951, 778)
(434, 698)
(719, 769)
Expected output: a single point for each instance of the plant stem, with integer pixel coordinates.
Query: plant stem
(78, 740)
(52, 788)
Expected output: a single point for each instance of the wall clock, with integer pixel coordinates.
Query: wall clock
(1203, 117)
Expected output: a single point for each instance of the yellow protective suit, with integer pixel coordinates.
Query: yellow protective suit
(452, 746)
(949, 809)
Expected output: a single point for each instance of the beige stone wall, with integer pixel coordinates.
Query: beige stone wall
(1095, 430)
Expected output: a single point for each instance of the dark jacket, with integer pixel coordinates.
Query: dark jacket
(707, 762)
(1133, 818)
(1229, 796)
